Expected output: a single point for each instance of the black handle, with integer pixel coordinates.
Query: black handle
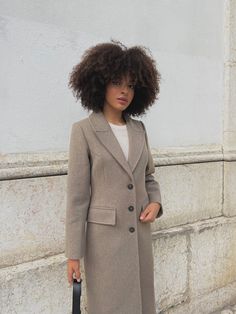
(76, 296)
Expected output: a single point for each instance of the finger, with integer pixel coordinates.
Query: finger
(148, 217)
(78, 275)
(70, 275)
(144, 214)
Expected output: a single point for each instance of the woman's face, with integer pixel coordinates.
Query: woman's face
(119, 93)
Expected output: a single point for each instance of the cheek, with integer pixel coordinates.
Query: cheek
(110, 93)
(131, 95)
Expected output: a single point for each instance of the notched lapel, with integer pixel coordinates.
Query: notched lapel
(108, 139)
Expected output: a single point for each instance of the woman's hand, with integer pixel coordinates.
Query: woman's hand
(73, 266)
(150, 212)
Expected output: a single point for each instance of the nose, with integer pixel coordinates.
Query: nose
(124, 88)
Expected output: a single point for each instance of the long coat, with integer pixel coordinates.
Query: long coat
(105, 195)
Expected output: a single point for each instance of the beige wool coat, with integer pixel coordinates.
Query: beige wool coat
(105, 196)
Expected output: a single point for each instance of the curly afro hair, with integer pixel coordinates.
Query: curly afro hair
(106, 62)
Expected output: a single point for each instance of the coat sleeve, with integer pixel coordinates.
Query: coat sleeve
(78, 194)
(152, 186)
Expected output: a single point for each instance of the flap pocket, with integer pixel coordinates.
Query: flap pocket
(103, 215)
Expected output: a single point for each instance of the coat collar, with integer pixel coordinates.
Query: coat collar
(106, 136)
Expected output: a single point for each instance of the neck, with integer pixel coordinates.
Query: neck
(115, 117)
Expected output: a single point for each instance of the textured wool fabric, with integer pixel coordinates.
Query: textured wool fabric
(105, 196)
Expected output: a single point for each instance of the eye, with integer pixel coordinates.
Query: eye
(132, 86)
(115, 82)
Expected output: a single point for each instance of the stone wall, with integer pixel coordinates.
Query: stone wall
(193, 242)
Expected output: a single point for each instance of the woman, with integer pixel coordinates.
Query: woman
(112, 196)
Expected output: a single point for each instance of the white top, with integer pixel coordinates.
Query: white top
(121, 134)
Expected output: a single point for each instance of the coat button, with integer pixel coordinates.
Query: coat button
(131, 229)
(131, 208)
(130, 186)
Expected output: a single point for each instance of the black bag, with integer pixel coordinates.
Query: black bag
(77, 287)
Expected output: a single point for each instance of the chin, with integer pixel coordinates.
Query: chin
(119, 108)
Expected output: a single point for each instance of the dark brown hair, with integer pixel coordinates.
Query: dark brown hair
(105, 62)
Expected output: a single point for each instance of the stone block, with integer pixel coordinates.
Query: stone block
(190, 192)
(36, 287)
(213, 256)
(229, 208)
(32, 218)
(170, 269)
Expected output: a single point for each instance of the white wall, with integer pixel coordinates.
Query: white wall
(42, 40)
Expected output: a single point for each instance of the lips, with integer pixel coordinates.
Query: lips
(123, 99)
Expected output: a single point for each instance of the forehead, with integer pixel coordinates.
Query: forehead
(125, 77)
